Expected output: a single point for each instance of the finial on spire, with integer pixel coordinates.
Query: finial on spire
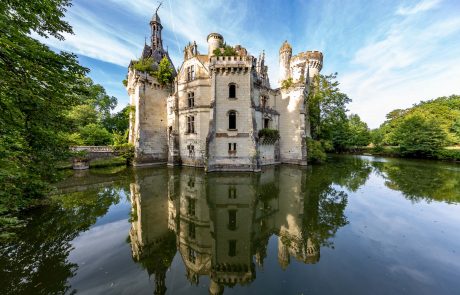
(156, 11)
(145, 40)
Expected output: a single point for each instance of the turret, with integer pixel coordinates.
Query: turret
(156, 27)
(285, 59)
(215, 40)
(315, 62)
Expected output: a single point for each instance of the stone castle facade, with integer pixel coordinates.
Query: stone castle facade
(212, 114)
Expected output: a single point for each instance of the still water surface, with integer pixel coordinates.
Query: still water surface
(356, 225)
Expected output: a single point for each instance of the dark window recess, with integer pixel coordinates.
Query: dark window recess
(232, 147)
(232, 192)
(232, 248)
(191, 255)
(190, 73)
(191, 99)
(266, 123)
(191, 230)
(232, 91)
(190, 124)
(191, 150)
(232, 120)
(232, 219)
(191, 206)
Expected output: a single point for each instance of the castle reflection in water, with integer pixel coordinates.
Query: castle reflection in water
(221, 223)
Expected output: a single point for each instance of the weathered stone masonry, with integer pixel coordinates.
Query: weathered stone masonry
(212, 113)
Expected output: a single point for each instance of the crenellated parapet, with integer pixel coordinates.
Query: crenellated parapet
(232, 64)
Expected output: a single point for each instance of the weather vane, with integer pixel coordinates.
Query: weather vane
(161, 2)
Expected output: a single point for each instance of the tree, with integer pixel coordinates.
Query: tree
(420, 136)
(327, 111)
(37, 88)
(358, 132)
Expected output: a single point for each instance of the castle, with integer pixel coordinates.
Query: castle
(220, 112)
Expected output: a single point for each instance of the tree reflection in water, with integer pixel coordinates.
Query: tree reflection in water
(221, 223)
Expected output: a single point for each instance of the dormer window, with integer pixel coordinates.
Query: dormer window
(232, 90)
(191, 99)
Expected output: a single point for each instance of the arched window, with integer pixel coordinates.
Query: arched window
(232, 120)
(232, 90)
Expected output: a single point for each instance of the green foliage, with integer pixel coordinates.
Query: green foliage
(225, 50)
(269, 135)
(315, 151)
(377, 137)
(327, 111)
(285, 84)
(37, 88)
(419, 136)
(94, 134)
(448, 154)
(126, 151)
(144, 65)
(164, 73)
(118, 122)
(445, 111)
(358, 132)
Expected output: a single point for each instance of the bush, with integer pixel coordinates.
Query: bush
(225, 50)
(448, 154)
(285, 84)
(144, 65)
(268, 135)
(126, 151)
(94, 134)
(315, 151)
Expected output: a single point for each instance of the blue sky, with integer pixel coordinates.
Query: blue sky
(389, 54)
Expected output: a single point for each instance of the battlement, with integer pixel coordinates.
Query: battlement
(220, 63)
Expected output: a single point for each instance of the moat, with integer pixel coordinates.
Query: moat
(355, 225)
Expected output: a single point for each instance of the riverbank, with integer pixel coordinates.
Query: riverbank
(450, 154)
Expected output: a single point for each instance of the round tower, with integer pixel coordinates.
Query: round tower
(285, 59)
(215, 40)
(315, 62)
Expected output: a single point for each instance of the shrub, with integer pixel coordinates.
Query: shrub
(225, 50)
(285, 84)
(126, 151)
(269, 135)
(164, 74)
(94, 134)
(144, 65)
(315, 151)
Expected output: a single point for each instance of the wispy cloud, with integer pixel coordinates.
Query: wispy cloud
(411, 61)
(419, 7)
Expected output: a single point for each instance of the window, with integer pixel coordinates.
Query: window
(191, 99)
(232, 147)
(190, 73)
(232, 90)
(232, 120)
(191, 230)
(266, 123)
(191, 206)
(232, 248)
(192, 255)
(231, 219)
(190, 124)
(191, 150)
(232, 192)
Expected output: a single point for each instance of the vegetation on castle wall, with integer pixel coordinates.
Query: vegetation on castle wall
(315, 151)
(225, 50)
(269, 135)
(164, 73)
(285, 84)
(144, 65)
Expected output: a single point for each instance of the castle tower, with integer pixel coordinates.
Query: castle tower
(285, 60)
(148, 131)
(215, 40)
(315, 63)
(156, 27)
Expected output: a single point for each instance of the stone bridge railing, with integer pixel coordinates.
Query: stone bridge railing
(92, 149)
(91, 153)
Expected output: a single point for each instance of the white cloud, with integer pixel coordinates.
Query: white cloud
(419, 7)
(411, 62)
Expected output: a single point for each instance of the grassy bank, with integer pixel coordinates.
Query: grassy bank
(446, 154)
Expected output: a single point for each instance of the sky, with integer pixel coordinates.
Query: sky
(388, 54)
